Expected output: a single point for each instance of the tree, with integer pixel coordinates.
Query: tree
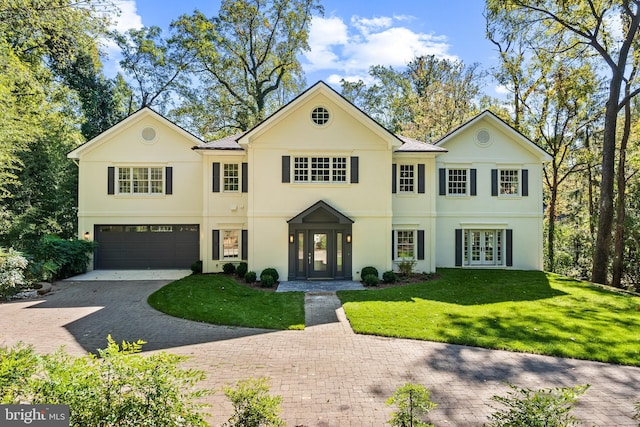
(245, 56)
(605, 29)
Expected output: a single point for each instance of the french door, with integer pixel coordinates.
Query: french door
(484, 247)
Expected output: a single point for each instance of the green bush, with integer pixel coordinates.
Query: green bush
(242, 269)
(70, 256)
(371, 280)
(12, 272)
(369, 270)
(228, 268)
(271, 272)
(537, 408)
(413, 402)
(389, 277)
(117, 388)
(266, 281)
(406, 266)
(196, 267)
(250, 277)
(252, 405)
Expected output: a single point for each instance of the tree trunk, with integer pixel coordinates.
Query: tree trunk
(551, 226)
(605, 221)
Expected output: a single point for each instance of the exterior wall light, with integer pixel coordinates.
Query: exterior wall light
(291, 237)
(86, 235)
(348, 238)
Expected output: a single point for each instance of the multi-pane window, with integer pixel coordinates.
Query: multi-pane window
(405, 244)
(230, 244)
(457, 182)
(231, 177)
(509, 182)
(320, 169)
(140, 180)
(407, 179)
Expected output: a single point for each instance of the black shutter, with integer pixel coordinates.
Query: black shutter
(111, 180)
(458, 247)
(245, 177)
(245, 244)
(286, 169)
(474, 185)
(420, 244)
(442, 174)
(393, 245)
(168, 180)
(525, 182)
(509, 248)
(421, 178)
(354, 169)
(494, 182)
(215, 248)
(394, 169)
(216, 177)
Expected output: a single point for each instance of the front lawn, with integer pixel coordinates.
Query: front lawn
(219, 299)
(524, 311)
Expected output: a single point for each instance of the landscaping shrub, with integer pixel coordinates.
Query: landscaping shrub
(406, 266)
(413, 402)
(389, 277)
(117, 388)
(228, 268)
(70, 256)
(266, 281)
(12, 272)
(271, 272)
(371, 280)
(242, 269)
(252, 405)
(250, 277)
(369, 270)
(537, 408)
(196, 267)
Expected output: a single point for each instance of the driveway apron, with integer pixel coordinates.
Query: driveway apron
(326, 374)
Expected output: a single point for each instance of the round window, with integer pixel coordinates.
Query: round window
(148, 134)
(483, 137)
(320, 116)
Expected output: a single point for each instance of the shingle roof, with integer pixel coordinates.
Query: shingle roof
(413, 145)
(226, 143)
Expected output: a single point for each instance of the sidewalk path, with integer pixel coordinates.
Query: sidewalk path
(326, 374)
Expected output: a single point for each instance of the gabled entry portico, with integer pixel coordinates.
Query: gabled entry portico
(320, 244)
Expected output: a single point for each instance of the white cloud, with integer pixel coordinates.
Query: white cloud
(502, 90)
(349, 51)
(126, 18)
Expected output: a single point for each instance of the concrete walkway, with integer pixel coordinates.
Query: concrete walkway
(326, 374)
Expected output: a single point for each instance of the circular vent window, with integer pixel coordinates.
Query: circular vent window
(483, 137)
(149, 134)
(320, 116)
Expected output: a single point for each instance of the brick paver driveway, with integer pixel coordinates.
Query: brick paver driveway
(327, 375)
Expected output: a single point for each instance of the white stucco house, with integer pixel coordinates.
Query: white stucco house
(318, 190)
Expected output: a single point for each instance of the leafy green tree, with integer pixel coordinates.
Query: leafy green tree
(414, 403)
(247, 59)
(605, 29)
(252, 404)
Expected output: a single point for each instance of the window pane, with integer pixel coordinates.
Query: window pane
(156, 180)
(509, 181)
(457, 182)
(339, 252)
(406, 179)
(339, 169)
(124, 180)
(301, 169)
(231, 177)
(140, 180)
(230, 244)
(405, 244)
(320, 169)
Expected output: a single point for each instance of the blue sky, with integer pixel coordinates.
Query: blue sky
(356, 34)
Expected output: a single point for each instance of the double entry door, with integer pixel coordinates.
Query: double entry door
(485, 247)
(320, 253)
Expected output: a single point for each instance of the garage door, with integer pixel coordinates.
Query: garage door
(146, 246)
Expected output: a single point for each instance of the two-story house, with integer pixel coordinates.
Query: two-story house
(318, 190)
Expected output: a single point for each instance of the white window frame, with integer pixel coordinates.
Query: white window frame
(518, 183)
(397, 243)
(306, 169)
(407, 178)
(126, 185)
(230, 250)
(467, 183)
(230, 182)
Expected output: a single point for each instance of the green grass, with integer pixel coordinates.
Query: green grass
(218, 299)
(524, 311)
